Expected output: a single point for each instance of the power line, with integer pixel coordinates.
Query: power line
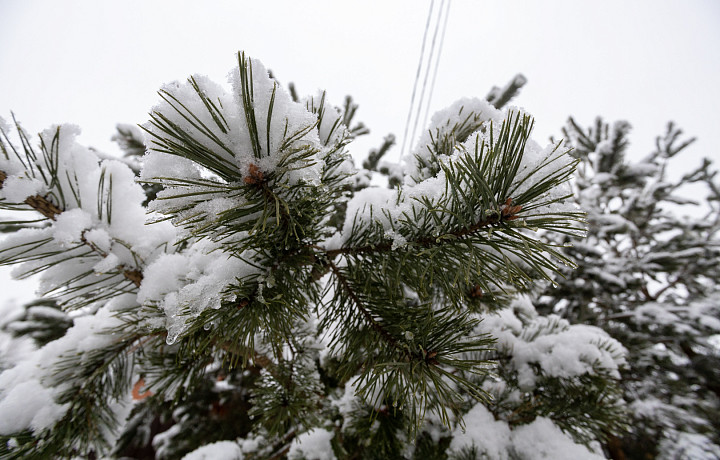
(437, 64)
(427, 72)
(435, 51)
(417, 77)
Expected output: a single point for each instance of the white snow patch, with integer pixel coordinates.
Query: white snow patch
(542, 440)
(489, 436)
(17, 188)
(221, 450)
(313, 445)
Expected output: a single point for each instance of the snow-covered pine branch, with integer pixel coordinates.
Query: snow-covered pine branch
(267, 279)
(648, 275)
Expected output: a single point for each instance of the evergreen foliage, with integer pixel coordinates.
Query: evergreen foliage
(648, 275)
(276, 305)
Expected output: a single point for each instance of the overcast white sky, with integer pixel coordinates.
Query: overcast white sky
(96, 63)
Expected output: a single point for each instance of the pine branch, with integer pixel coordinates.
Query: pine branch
(507, 213)
(382, 332)
(45, 207)
(499, 97)
(257, 185)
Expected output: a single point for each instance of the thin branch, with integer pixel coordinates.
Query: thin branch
(365, 313)
(427, 241)
(672, 284)
(48, 209)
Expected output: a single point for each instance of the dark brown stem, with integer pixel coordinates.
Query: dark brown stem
(135, 276)
(365, 313)
(48, 209)
(37, 202)
(43, 206)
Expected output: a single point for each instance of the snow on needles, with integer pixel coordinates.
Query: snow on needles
(229, 143)
(101, 221)
(539, 440)
(313, 445)
(207, 143)
(393, 210)
(29, 391)
(221, 450)
(557, 347)
(185, 284)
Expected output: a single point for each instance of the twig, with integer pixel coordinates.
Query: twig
(366, 314)
(48, 209)
(507, 214)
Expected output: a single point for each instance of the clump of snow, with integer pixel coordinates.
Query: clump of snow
(542, 440)
(164, 275)
(313, 445)
(157, 165)
(69, 225)
(29, 405)
(552, 343)
(29, 390)
(98, 237)
(13, 349)
(108, 264)
(221, 450)
(18, 187)
(184, 285)
(252, 443)
(349, 401)
(490, 437)
(539, 440)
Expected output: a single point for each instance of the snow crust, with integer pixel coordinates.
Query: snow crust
(491, 437)
(542, 440)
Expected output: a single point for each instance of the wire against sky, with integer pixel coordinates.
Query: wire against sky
(414, 110)
(417, 77)
(427, 71)
(437, 65)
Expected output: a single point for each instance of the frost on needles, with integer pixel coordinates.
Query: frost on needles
(268, 292)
